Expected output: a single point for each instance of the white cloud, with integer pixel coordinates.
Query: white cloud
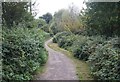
(55, 5)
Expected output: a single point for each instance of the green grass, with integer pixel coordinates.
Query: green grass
(82, 68)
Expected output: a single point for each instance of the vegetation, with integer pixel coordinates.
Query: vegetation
(47, 17)
(96, 41)
(92, 35)
(23, 51)
(14, 13)
(103, 18)
(65, 20)
(102, 54)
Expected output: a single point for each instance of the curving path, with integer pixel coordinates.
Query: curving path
(59, 66)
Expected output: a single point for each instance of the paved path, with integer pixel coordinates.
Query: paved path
(59, 66)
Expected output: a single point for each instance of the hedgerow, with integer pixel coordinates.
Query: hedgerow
(103, 54)
(22, 53)
(105, 61)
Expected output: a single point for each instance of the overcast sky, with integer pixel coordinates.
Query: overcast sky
(52, 6)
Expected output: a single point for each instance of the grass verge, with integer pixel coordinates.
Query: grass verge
(82, 68)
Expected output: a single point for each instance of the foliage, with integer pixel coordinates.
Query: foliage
(70, 21)
(105, 61)
(80, 48)
(102, 53)
(84, 46)
(66, 41)
(94, 39)
(59, 36)
(13, 12)
(53, 29)
(28, 21)
(73, 43)
(41, 22)
(22, 52)
(47, 17)
(66, 20)
(45, 28)
(102, 18)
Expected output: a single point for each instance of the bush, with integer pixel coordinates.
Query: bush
(80, 48)
(105, 61)
(58, 36)
(83, 46)
(23, 53)
(45, 28)
(103, 54)
(66, 41)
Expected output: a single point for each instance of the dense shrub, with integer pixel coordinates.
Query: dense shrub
(58, 36)
(73, 43)
(105, 61)
(103, 54)
(22, 52)
(66, 41)
(79, 48)
(88, 46)
(45, 28)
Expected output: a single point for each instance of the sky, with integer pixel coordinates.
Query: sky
(51, 6)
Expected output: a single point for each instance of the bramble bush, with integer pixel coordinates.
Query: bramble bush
(105, 61)
(22, 52)
(60, 35)
(45, 28)
(79, 47)
(84, 46)
(103, 54)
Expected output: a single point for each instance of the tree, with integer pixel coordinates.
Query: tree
(67, 20)
(103, 18)
(13, 12)
(47, 17)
